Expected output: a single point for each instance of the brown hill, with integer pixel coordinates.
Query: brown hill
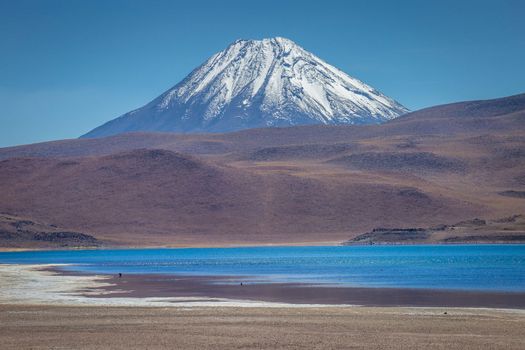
(16, 232)
(154, 197)
(280, 185)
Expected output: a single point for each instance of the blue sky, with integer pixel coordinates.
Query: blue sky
(68, 66)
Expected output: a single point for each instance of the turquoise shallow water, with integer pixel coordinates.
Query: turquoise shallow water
(459, 267)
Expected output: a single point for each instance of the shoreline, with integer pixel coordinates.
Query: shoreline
(50, 284)
(233, 287)
(131, 247)
(42, 308)
(255, 245)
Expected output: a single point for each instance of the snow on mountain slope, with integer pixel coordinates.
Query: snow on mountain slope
(259, 83)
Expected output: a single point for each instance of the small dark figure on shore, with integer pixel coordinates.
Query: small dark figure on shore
(119, 275)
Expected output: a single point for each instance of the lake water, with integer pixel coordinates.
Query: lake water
(460, 267)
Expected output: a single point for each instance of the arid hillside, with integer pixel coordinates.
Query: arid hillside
(440, 165)
(504, 230)
(16, 232)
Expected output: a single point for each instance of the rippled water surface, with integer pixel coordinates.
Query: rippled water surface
(466, 267)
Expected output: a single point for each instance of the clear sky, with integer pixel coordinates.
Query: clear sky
(68, 66)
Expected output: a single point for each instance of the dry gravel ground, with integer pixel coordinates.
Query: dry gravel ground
(62, 327)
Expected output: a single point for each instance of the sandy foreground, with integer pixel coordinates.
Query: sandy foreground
(90, 327)
(40, 309)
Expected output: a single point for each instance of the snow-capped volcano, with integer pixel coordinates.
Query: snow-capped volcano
(259, 83)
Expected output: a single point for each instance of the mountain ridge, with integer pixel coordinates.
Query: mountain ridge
(422, 122)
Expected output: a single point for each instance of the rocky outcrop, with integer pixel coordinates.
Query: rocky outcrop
(18, 232)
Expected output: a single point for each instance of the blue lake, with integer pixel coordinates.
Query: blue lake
(460, 267)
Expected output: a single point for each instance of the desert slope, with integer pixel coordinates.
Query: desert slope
(277, 185)
(152, 197)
